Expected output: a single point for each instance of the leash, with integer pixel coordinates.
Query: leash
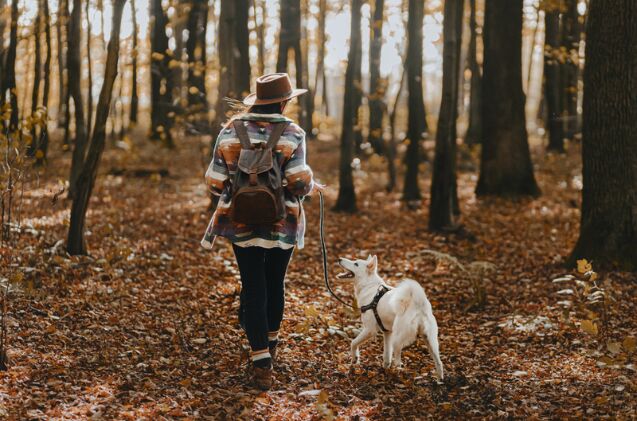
(324, 251)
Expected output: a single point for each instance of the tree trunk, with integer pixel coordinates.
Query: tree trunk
(75, 90)
(89, 68)
(608, 230)
(416, 120)
(37, 75)
(43, 141)
(320, 61)
(234, 59)
(505, 167)
(552, 78)
(391, 146)
(8, 81)
(307, 100)
(444, 195)
(346, 201)
(259, 29)
(196, 50)
(162, 111)
(377, 87)
(290, 39)
(134, 102)
(571, 30)
(76, 243)
(474, 131)
(61, 28)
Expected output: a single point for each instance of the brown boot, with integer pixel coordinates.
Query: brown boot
(261, 377)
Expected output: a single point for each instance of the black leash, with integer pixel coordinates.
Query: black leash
(324, 251)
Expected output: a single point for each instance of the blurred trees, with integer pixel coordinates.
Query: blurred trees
(474, 131)
(162, 82)
(377, 86)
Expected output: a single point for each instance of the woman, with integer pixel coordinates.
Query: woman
(262, 251)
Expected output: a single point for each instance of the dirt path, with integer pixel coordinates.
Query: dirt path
(147, 327)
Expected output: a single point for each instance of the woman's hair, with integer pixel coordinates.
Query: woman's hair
(266, 108)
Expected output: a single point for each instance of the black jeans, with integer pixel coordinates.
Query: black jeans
(262, 291)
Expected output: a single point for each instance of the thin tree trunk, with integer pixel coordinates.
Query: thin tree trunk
(346, 201)
(416, 127)
(474, 131)
(608, 229)
(505, 167)
(377, 87)
(391, 147)
(320, 61)
(259, 28)
(61, 27)
(8, 81)
(196, 50)
(134, 102)
(552, 79)
(234, 60)
(570, 77)
(444, 195)
(307, 100)
(290, 39)
(43, 141)
(89, 96)
(161, 77)
(76, 243)
(75, 90)
(37, 75)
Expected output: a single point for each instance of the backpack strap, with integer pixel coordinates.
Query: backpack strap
(277, 131)
(242, 134)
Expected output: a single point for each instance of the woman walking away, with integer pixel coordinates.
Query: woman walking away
(258, 169)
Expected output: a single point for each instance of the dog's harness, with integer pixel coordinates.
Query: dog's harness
(382, 290)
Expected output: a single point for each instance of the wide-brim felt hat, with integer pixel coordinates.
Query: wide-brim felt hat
(273, 88)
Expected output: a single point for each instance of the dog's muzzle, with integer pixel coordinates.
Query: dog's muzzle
(348, 274)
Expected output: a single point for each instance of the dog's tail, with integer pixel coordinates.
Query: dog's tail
(414, 312)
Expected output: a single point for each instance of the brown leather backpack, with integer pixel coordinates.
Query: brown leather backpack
(257, 190)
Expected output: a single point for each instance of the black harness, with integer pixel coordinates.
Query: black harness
(382, 290)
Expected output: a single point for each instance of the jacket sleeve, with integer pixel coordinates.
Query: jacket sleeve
(298, 174)
(217, 173)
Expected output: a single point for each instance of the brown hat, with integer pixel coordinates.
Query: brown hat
(273, 88)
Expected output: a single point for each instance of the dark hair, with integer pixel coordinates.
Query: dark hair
(274, 108)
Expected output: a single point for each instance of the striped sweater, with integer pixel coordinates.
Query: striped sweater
(298, 182)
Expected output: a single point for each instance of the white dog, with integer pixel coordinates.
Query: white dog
(401, 313)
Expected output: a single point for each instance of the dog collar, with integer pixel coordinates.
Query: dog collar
(382, 290)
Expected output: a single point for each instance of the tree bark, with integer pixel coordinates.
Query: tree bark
(234, 59)
(43, 140)
(346, 201)
(444, 195)
(377, 87)
(608, 229)
(259, 6)
(474, 131)
(134, 102)
(89, 68)
(571, 30)
(505, 167)
(196, 50)
(75, 90)
(417, 119)
(61, 28)
(76, 243)
(37, 75)
(552, 78)
(290, 39)
(8, 81)
(162, 110)
(320, 61)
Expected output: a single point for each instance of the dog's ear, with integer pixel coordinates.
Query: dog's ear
(372, 264)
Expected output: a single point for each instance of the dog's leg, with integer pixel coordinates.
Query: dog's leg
(396, 358)
(365, 335)
(387, 351)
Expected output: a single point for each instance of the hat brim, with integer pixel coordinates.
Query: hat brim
(253, 100)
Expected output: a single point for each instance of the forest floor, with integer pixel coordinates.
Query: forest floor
(146, 327)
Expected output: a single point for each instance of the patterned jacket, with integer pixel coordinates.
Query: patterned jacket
(298, 182)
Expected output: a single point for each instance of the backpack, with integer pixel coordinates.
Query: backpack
(257, 190)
